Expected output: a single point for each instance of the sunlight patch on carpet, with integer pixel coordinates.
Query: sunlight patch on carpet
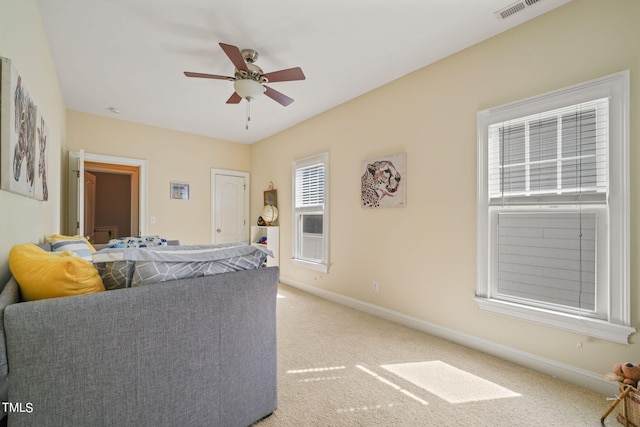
(317, 379)
(392, 385)
(325, 370)
(364, 409)
(304, 371)
(449, 383)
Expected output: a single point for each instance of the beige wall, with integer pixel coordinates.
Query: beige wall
(171, 156)
(424, 255)
(22, 40)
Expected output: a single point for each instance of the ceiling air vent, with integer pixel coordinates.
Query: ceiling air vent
(515, 8)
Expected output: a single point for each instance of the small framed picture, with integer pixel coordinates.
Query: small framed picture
(271, 198)
(179, 191)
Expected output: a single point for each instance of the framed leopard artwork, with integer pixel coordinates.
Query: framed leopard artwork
(384, 182)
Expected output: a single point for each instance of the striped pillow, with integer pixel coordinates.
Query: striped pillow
(78, 248)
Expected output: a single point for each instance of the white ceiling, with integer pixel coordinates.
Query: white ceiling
(131, 54)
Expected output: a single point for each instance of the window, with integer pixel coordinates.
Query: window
(553, 209)
(310, 207)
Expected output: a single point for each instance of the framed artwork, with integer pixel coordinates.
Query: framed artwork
(179, 191)
(384, 182)
(18, 134)
(271, 198)
(42, 137)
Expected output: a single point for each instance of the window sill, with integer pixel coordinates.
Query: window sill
(583, 325)
(323, 268)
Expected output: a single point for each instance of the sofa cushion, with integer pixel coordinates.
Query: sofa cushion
(41, 274)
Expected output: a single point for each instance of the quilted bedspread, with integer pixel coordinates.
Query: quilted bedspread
(127, 267)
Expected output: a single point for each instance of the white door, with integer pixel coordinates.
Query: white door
(230, 210)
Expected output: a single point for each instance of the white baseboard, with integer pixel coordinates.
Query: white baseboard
(581, 377)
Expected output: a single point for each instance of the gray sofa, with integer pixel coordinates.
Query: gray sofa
(192, 352)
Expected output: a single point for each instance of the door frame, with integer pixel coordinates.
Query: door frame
(227, 172)
(115, 160)
(89, 202)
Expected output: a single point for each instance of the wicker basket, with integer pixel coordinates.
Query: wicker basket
(629, 408)
(628, 402)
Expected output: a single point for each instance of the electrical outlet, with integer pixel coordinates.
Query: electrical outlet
(375, 286)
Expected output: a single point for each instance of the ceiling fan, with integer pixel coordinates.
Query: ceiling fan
(249, 79)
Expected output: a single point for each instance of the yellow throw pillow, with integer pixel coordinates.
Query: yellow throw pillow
(41, 274)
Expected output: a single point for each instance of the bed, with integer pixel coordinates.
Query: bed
(135, 266)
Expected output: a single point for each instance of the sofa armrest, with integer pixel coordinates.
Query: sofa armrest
(173, 353)
(10, 295)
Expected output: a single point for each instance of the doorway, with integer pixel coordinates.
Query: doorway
(111, 201)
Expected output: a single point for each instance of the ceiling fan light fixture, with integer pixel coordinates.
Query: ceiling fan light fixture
(248, 89)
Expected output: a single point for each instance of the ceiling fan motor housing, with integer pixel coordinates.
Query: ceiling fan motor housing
(253, 72)
(250, 56)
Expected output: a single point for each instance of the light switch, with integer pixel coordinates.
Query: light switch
(153, 220)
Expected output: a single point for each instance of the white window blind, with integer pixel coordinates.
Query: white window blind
(554, 157)
(309, 184)
(558, 156)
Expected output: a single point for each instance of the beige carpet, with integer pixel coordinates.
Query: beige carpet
(341, 367)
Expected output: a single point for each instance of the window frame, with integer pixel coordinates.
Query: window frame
(615, 325)
(321, 265)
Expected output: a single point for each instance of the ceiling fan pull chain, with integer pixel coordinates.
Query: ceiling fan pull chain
(248, 113)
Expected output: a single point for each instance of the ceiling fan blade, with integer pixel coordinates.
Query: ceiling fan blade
(234, 99)
(235, 56)
(207, 76)
(285, 75)
(277, 96)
